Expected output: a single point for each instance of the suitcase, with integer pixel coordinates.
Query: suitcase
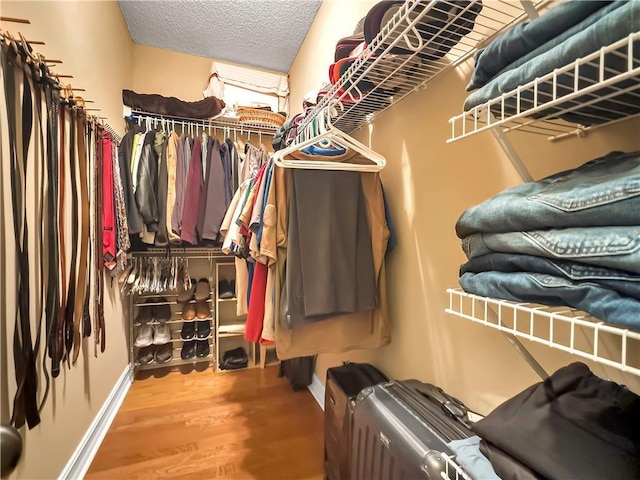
(341, 388)
(401, 428)
(299, 371)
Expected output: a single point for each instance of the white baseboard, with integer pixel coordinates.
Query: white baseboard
(81, 459)
(317, 390)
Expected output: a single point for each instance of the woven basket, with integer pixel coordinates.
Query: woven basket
(255, 115)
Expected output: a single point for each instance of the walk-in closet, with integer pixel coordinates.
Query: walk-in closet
(320, 239)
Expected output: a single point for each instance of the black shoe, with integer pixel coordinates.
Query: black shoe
(232, 287)
(224, 290)
(188, 330)
(202, 348)
(188, 350)
(164, 353)
(203, 329)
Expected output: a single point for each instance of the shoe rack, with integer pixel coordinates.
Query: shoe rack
(230, 326)
(199, 267)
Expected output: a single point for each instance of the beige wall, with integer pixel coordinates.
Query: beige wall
(92, 40)
(429, 184)
(169, 73)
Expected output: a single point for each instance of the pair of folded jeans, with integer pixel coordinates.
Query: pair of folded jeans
(602, 192)
(625, 283)
(610, 247)
(599, 301)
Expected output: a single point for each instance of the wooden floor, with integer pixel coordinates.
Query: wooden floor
(201, 425)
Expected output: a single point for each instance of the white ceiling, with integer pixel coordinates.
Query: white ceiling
(259, 33)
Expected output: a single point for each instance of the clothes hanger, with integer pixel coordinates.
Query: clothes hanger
(323, 133)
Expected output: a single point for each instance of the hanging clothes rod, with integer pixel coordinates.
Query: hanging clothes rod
(215, 122)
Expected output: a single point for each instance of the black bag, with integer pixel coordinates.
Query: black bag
(342, 386)
(298, 370)
(234, 359)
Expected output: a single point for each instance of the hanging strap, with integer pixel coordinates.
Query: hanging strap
(69, 324)
(58, 341)
(81, 281)
(52, 306)
(86, 310)
(42, 253)
(25, 400)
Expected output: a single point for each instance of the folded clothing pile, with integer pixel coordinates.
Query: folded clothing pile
(572, 425)
(571, 30)
(569, 239)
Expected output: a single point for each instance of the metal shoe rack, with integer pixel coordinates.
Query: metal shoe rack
(136, 301)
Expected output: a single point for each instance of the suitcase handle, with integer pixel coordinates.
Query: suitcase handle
(451, 405)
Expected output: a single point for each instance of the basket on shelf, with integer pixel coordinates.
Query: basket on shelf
(256, 115)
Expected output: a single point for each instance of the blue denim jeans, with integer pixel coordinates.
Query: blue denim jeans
(627, 284)
(600, 302)
(602, 192)
(609, 247)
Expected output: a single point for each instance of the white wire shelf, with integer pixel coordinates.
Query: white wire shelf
(390, 77)
(563, 328)
(228, 120)
(453, 471)
(536, 107)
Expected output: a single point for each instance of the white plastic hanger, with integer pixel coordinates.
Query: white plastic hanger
(324, 134)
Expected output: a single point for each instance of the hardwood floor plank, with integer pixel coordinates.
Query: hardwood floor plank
(239, 425)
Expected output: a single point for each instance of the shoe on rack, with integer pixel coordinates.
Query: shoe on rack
(202, 348)
(188, 330)
(188, 312)
(145, 336)
(162, 312)
(203, 290)
(146, 355)
(232, 287)
(145, 315)
(203, 329)
(202, 310)
(184, 295)
(224, 290)
(161, 334)
(188, 350)
(164, 353)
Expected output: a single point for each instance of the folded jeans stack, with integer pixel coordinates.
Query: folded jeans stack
(570, 30)
(570, 239)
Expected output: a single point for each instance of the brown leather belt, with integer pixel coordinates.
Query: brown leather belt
(81, 288)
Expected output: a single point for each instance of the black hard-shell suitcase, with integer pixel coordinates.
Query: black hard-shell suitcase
(401, 428)
(299, 371)
(342, 386)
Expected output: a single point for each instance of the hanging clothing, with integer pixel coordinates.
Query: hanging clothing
(192, 195)
(329, 267)
(108, 219)
(365, 329)
(125, 152)
(213, 204)
(172, 175)
(160, 146)
(181, 181)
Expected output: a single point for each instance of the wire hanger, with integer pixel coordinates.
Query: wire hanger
(320, 131)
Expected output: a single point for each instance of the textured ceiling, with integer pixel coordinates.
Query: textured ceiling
(258, 33)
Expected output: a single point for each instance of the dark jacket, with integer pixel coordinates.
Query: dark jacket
(134, 219)
(162, 237)
(146, 192)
